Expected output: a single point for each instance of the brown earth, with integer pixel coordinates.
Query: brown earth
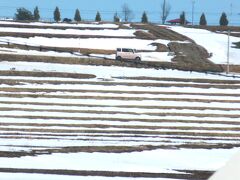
(183, 174)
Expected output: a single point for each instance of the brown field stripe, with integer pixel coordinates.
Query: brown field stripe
(64, 118)
(209, 81)
(119, 112)
(24, 135)
(105, 126)
(135, 132)
(191, 175)
(36, 90)
(203, 86)
(118, 98)
(119, 106)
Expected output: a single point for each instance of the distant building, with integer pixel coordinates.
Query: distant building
(177, 21)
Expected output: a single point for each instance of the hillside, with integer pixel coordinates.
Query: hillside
(158, 44)
(82, 115)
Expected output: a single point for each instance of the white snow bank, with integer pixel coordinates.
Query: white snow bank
(25, 176)
(107, 72)
(215, 43)
(39, 53)
(80, 25)
(90, 43)
(230, 171)
(156, 56)
(147, 161)
(103, 32)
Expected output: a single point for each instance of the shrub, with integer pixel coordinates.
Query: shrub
(23, 14)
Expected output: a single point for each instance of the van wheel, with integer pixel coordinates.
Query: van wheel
(118, 58)
(138, 59)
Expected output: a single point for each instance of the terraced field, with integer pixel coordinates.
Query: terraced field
(96, 122)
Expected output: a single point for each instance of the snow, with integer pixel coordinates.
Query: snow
(230, 170)
(39, 53)
(215, 43)
(79, 25)
(22, 176)
(90, 43)
(88, 32)
(100, 71)
(156, 56)
(156, 161)
(62, 118)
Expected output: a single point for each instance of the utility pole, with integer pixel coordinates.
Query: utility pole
(231, 12)
(228, 51)
(193, 3)
(164, 12)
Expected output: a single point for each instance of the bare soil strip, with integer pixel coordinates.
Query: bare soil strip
(120, 106)
(66, 97)
(133, 127)
(114, 138)
(130, 131)
(160, 120)
(46, 74)
(107, 83)
(212, 81)
(190, 175)
(47, 90)
(160, 114)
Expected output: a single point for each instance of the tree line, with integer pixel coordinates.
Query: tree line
(127, 15)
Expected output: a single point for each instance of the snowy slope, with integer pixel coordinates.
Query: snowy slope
(230, 170)
(215, 43)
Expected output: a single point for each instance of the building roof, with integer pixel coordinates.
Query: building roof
(177, 21)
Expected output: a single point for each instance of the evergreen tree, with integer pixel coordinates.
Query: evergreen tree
(203, 21)
(116, 19)
(57, 15)
(23, 14)
(98, 17)
(182, 18)
(36, 14)
(144, 17)
(223, 20)
(77, 16)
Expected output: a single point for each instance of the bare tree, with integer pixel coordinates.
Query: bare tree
(166, 8)
(127, 13)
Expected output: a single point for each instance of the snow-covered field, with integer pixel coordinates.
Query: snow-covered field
(104, 32)
(79, 25)
(215, 43)
(112, 111)
(123, 123)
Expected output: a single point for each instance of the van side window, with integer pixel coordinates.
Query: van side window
(124, 50)
(119, 49)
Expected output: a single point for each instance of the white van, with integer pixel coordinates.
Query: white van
(127, 53)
